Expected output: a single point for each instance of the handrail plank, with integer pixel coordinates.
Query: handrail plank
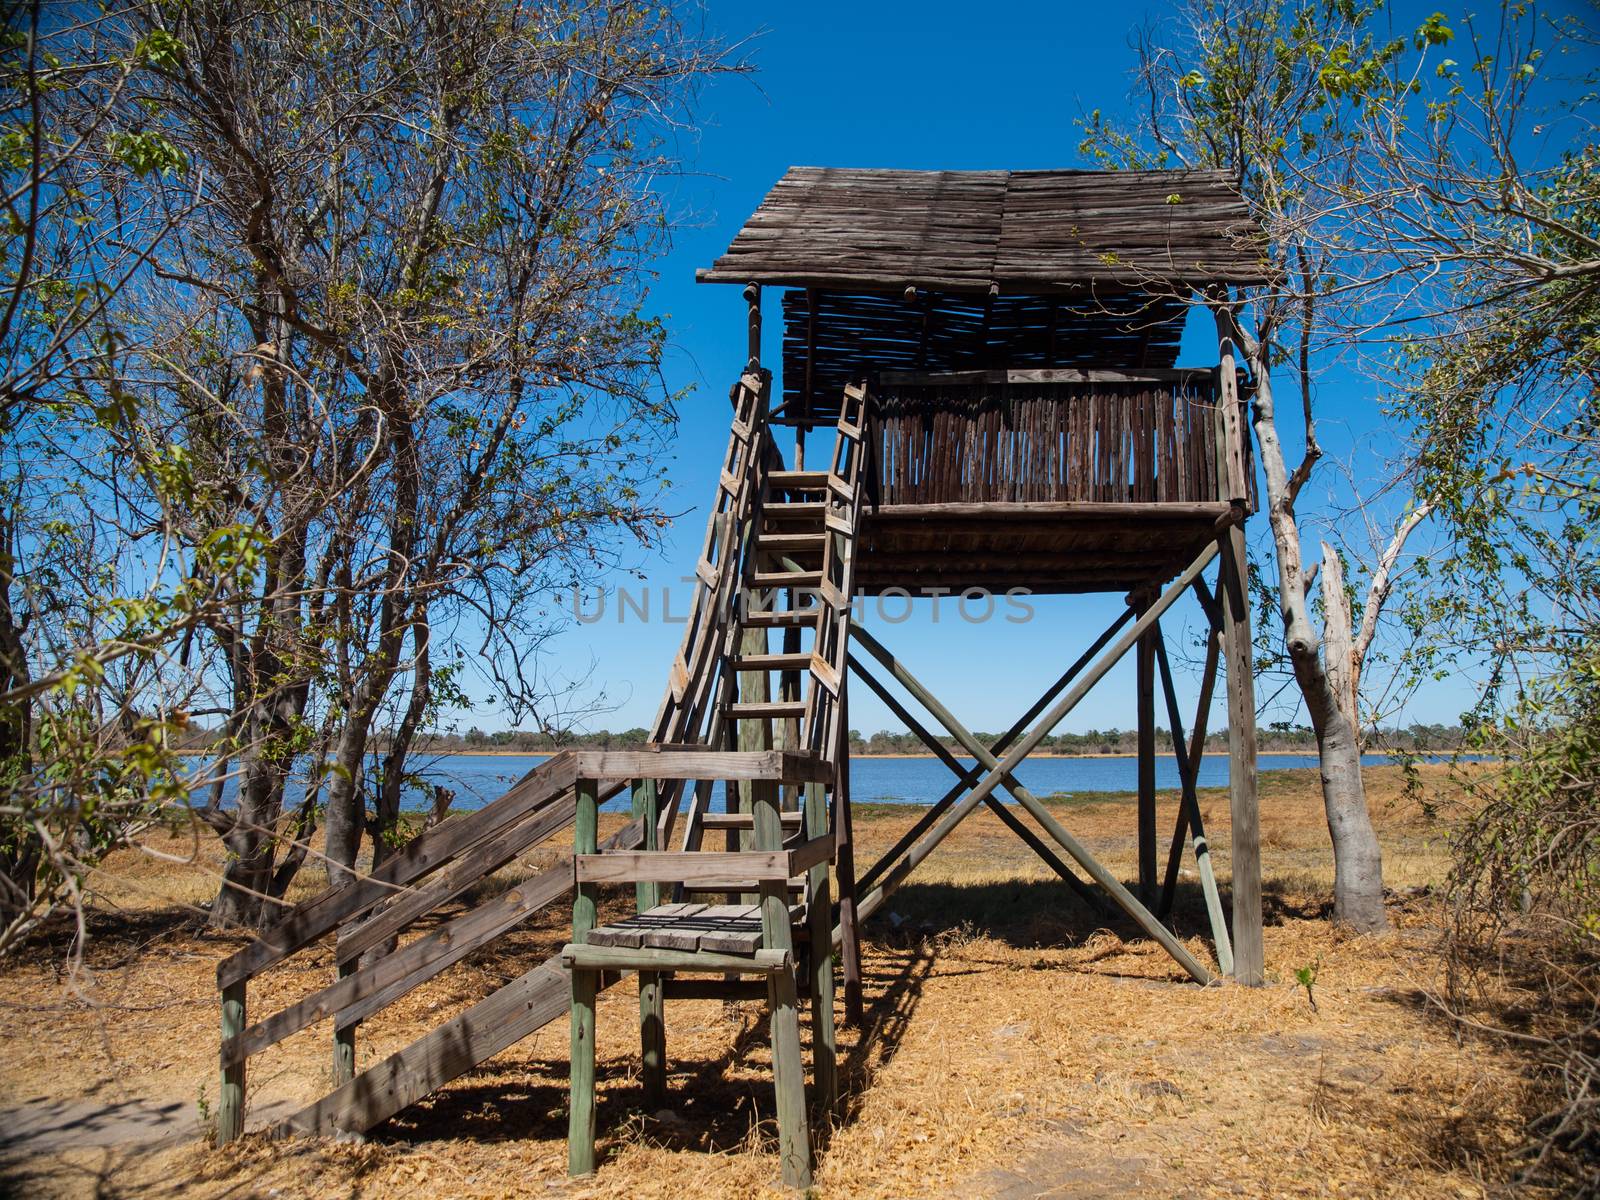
(488, 856)
(428, 852)
(414, 963)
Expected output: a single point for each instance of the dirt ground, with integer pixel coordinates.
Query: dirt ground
(1015, 1045)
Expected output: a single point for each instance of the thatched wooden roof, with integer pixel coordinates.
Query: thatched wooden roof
(1020, 231)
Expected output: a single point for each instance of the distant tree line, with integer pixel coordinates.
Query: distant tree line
(1278, 739)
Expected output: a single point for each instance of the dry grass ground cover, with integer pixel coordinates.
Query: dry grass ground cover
(1015, 1045)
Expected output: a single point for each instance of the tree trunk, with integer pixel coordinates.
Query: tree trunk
(344, 819)
(247, 874)
(1358, 863)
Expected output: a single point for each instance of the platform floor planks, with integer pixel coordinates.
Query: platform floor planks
(722, 928)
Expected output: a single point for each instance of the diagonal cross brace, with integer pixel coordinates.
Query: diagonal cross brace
(1188, 771)
(1001, 745)
(968, 778)
(1004, 768)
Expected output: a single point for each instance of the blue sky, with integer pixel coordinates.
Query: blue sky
(920, 85)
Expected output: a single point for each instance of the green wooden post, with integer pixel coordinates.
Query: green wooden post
(344, 1037)
(788, 1069)
(652, 1000)
(580, 1119)
(824, 1049)
(1145, 661)
(230, 1104)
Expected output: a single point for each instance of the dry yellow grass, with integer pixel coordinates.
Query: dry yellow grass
(1013, 1047)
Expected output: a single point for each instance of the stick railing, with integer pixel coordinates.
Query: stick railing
(1042, 436)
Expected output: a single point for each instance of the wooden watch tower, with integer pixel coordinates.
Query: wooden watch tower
(978, 391)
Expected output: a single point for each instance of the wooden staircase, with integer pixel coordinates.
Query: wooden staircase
(794, 572)
(765, 722)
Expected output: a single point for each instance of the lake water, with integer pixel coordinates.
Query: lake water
(477, 779)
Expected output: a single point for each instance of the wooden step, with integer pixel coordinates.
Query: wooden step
(786, 579)
(744, 820)
(810, 540)
(800, 661)
(773, 618)
(795, 509)
(775, 709)
(799, 481)
(797, 886)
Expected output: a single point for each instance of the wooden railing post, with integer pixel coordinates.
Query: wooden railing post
(585, 911)
(652, 1001)
(794, 1139)
(344, 1037)
(230, 1103)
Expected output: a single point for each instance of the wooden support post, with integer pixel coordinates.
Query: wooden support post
(230, 1103)
(1145, 660)
(845, 864)
(1233, 588)
(788, 1069)
(819, 915)
(752, 299)
(344, 1037)
(585, 911)
(1187, 768)
(652, 1000)
(1249, 958)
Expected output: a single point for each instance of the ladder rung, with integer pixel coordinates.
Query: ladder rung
(744, 820)
(767, 708)
(784, 541)
(786, 579)
(805, 481)
(795, 508)
(773, 662)
(769, 618)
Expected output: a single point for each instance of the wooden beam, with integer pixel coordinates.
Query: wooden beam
(580, 957)
(1077, 510)
(652, 1001)
(1249, 957)
(702, 866)
(487, 856)
(560, 879)
(1187, 769)
(1042, 375)
(969, 778)
(845, 863)
(502, 1019)
(819, 920)
(777, 934)
(1002, 770)
(584, 985)
(426, 853)
(1018, 728)
(1026, 746)
(1145, 659)
(1197, 749)
(698, 762)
